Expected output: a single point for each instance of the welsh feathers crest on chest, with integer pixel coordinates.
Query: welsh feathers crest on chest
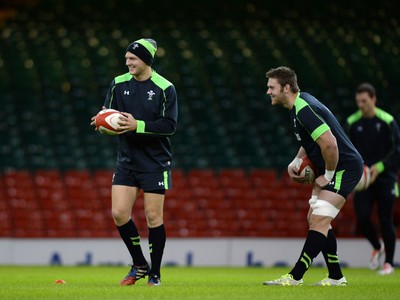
(150, 95)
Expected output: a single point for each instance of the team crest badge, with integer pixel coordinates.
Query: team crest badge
(150, 94)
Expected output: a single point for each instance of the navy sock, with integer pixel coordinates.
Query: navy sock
(131, 238)
(313, 245)
(331, 257)
(157, 238)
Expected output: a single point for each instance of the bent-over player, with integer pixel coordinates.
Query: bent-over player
(340, 167)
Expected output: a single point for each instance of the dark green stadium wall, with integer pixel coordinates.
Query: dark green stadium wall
(58, 57)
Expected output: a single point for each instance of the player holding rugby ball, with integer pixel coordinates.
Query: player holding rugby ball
(339, 165)
(149, 106)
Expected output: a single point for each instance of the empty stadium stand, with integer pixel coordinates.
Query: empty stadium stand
(231, 147)
(203, 202)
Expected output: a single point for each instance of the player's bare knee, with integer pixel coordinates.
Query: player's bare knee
(154, 218)
(120, 217)
(320, 223)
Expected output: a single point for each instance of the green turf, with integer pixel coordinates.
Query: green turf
(188, 283)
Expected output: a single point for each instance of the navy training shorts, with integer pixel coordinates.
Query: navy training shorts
(147, 181)
(346, 178)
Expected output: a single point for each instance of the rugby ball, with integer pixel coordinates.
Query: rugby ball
(365, 180)
(107, 121)
(306, 169)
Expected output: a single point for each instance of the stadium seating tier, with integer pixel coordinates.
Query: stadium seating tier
(57, 60)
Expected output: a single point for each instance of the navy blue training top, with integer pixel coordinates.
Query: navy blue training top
(310, 119)
(378, 141)
(153, 103)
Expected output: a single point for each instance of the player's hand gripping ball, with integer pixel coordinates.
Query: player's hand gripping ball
(306, 169)
(107, 121)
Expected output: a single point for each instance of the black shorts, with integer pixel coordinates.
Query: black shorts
(147, 181)
(346, 178)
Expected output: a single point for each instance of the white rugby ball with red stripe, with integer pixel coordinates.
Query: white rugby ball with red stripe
(107, 121)
(306, 169)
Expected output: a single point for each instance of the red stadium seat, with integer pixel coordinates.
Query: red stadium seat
(17, 178)
(60, 224)
(202, 177)
(47, 177)
(233, 178)
(103, 177)
(27, 223)
(179, 179)
(264, 177)
(53, 199)
(103, 182)
(5, 224)
(73, 177)
(93, 223)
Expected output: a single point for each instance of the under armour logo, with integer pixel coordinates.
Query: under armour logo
(150, 94)
(160, 183)
(135, 46)
(126, 92)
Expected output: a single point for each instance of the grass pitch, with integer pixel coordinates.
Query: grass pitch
(23, 282)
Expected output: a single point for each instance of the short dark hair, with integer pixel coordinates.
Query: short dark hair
(366, 87)
(284, 75)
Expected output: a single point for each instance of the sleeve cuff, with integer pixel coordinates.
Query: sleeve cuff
(380, 167)
(140, 126)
